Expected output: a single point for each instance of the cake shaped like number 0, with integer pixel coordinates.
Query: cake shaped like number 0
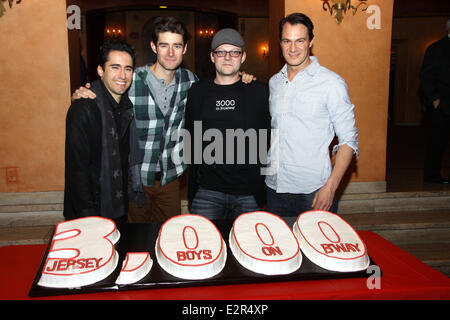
(190, 246)
(262, 242)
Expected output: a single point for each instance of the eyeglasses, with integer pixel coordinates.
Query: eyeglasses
(233, 53)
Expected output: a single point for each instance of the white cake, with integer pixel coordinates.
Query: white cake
(330, 242)
(264, 243)
(81, 253)
(135, 267)
(190, 247)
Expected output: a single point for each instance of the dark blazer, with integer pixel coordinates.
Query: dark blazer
(84, 146)
(83, 160)
(435, 75)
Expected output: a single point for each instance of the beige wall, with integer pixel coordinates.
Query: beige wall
(35, 87)
(361, 56)
(34, 94)
(277, 12)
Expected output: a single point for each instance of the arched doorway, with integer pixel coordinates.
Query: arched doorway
(136, 23)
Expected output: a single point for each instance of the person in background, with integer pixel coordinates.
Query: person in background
(435, 80)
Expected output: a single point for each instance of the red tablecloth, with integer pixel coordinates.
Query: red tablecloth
(404, 277)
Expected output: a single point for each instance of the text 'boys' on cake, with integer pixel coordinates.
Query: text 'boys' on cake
(190, 247)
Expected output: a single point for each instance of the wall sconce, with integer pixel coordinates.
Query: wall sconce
(114, 33)
(341, 7)
(206, 33)
(265, 51)
(2, 7)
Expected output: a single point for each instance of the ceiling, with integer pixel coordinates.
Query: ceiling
(255, 8)
(242, 8)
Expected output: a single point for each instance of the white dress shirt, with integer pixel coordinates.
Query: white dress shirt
(306, 114)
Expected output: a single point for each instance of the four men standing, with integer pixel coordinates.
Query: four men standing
(308, 105)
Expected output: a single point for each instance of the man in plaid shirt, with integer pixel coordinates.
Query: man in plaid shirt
(159, 93)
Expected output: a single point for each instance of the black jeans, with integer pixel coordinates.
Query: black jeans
(218, 205)
(437, 141)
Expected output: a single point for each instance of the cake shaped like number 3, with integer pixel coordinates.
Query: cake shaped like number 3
(81, 253)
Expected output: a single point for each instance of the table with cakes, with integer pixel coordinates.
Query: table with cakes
(258, 256)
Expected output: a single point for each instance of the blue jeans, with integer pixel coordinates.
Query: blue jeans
(292, 204)
(216, 205)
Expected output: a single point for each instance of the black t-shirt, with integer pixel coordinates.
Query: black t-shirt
(225, 112)
(223, 109)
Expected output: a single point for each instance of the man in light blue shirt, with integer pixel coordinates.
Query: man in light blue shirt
(309, 105)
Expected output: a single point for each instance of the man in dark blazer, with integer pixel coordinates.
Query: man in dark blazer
(435, 79)
(101, 141)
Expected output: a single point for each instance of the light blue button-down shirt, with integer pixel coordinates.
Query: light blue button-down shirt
(307, 113)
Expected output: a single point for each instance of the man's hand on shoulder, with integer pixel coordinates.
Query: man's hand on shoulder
(83, 92)
(246, 78)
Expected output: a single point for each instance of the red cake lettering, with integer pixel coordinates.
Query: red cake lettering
(271, 251)
(330, 242)
(344, 247)
(194, 255)
(190, 247)
(264, 243)
(82, 252)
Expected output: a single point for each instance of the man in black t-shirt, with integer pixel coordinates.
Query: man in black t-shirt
(229, 125)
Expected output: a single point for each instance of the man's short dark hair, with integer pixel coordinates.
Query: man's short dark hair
(169, 24)
(298, 18)
(115, 45)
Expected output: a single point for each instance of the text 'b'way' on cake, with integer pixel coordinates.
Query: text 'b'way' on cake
(330, 242)
(81, 253)
(190, 247)
(263, 243)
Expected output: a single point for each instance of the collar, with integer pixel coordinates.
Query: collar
(162, 81)
(124, 103)
(310, 70)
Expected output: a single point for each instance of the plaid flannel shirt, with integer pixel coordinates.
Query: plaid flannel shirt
(154, 129)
